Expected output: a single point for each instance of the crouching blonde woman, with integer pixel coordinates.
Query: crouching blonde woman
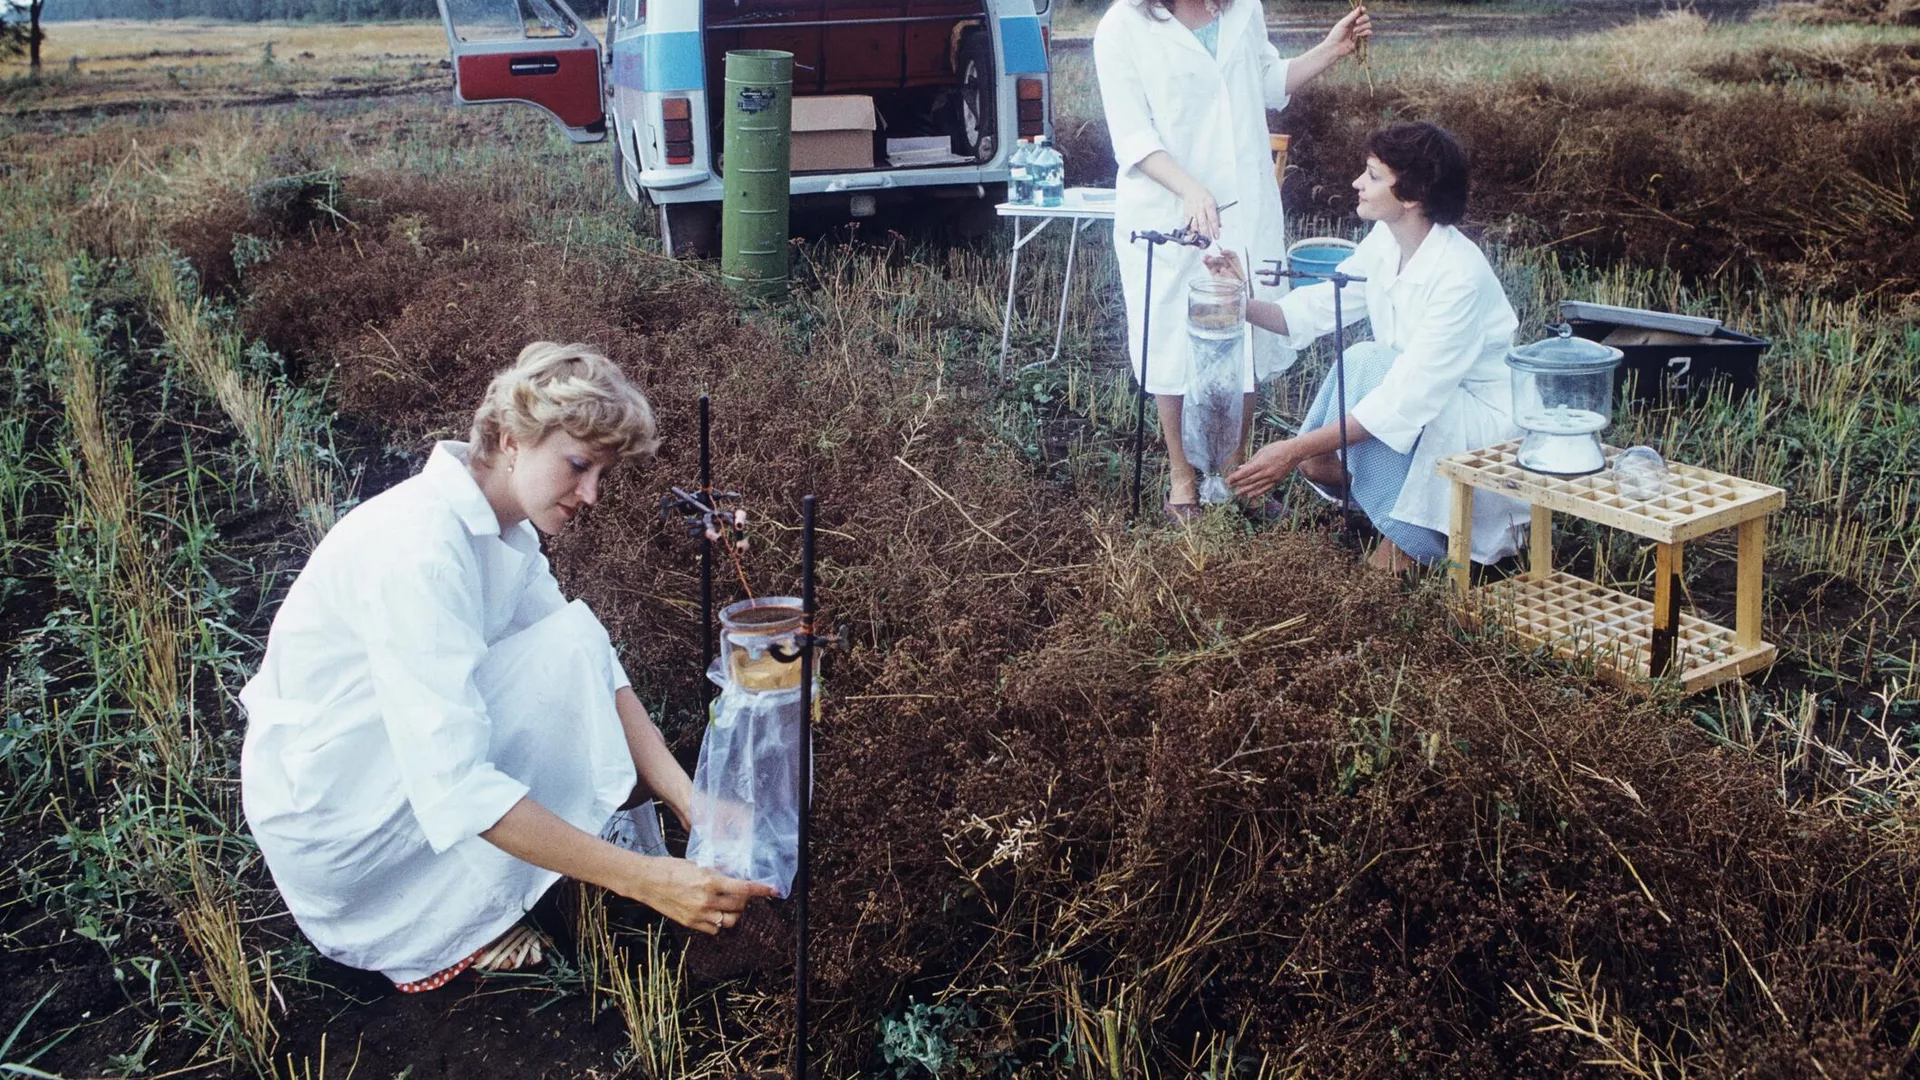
(436, 735)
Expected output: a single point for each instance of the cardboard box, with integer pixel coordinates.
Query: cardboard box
(832, 132)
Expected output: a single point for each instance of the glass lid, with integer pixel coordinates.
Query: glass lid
(1564, 354)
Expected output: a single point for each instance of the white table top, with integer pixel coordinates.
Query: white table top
(1074, 204)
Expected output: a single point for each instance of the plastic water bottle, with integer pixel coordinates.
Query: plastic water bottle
(1020, 184)
(1049, 174)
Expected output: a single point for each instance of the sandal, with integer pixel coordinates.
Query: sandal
(1265, 510)
(520, 948)
(1182, 513)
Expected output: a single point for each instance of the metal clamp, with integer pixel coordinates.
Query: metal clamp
(805, 639)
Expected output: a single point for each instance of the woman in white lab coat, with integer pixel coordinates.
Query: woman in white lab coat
(1186, 85)
(1432, 382)
(436, 735)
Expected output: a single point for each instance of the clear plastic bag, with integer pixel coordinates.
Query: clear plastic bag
(746, 806)
(1211, 412)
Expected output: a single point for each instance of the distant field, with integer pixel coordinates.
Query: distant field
(125, 44)
(119, 63)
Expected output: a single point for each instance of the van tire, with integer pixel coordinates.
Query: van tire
(973, 125)
(690, 230)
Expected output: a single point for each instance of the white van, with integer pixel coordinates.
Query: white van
(937, 89)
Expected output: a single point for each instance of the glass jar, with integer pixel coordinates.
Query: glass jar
(1562, 400)
(1214, 406)
(749, 632)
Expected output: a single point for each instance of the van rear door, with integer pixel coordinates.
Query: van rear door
(534, 51)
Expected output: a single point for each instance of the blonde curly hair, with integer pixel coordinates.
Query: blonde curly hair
(570, 388)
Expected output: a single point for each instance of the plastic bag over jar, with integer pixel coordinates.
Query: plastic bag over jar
(1215, 404)
(746, 805)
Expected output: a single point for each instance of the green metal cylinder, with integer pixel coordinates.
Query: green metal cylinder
(757, 170)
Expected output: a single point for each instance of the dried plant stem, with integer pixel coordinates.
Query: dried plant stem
(1360, 54)
(648, 995)
(1575, 1004)
(211, 922)
(149, 614)
(211, 359)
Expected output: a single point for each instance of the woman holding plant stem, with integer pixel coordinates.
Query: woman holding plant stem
(1432, 382)
(436, 735)
(1186, 85)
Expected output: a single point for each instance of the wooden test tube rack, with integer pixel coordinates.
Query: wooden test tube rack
(1629, 641)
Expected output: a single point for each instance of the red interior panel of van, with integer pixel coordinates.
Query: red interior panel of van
(569, 87)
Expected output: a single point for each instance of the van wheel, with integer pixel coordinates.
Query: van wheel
(973, 124)
(690, 230)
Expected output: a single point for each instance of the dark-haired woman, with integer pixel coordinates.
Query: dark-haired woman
(1186, 85)
(1432, 382)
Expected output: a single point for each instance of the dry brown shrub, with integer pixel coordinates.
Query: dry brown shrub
(1882, 12)
(1808, 193)
(1189, 783)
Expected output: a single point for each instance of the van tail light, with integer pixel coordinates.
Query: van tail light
(1046, 41)
(676, 125)
(1031, 95)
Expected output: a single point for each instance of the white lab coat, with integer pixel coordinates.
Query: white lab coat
(422, 676)
(1162, 91)
(1449, 390)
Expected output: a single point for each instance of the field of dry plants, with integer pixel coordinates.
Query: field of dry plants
(1094, 801)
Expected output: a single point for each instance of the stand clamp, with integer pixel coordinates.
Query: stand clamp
(1270, 277)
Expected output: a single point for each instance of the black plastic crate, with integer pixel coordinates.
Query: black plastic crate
(1672, 371)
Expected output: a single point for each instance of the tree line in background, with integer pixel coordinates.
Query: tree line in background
(260, 10)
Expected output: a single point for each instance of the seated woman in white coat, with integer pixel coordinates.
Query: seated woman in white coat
(1432, 382)
(1186, 85)
(436, 735)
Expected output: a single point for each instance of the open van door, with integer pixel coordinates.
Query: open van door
(535, 51)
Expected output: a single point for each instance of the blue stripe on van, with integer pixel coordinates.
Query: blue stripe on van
(1021, 48)
(672, 62)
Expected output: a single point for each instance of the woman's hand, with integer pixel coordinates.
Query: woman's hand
(1225, 265)
(1267, 468)
(1349, 32)
(689, 894)
(1202, 212)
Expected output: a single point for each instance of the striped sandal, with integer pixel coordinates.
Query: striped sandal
(519, 949)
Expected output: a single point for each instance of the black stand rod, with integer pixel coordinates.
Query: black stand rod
(802, 872)
(1140, 403)
(706, 541)
(1154, 239)
(1276, 270)
(1340, 392)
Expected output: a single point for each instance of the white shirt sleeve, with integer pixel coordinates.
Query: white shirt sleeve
(1309, 309)
(1123, 94)
(421, 619)
(1274, 68)
(1447, 339)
